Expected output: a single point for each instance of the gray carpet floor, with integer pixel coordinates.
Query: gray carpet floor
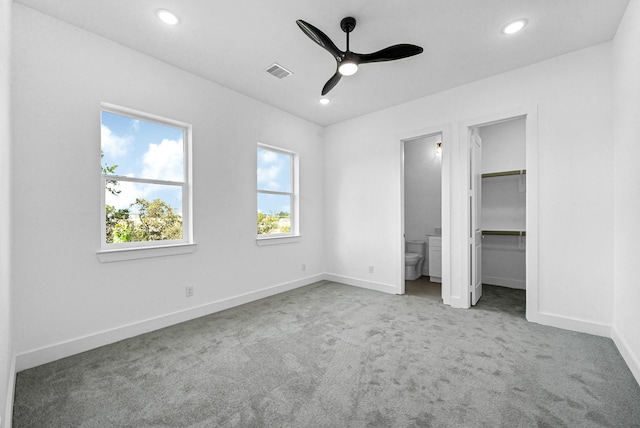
(330, 355)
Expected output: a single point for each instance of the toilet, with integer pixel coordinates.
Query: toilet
(414, 259)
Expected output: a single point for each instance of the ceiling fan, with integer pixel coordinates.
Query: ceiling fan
(348, 61)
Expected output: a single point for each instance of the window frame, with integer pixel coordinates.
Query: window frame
(294, 173)
(133, 250)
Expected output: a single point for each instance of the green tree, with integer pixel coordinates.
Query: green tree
(266, 223)
(116, 223)
(157, 221)
(112, 185)
(270, 223)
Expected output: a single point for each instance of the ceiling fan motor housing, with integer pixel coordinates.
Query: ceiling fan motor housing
(348, 24)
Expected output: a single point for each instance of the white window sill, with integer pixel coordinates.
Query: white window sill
(277, 240)
(121, 254)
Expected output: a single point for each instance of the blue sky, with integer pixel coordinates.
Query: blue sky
(144, 150)
(274, 173)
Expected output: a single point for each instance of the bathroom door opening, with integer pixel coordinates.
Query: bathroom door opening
(423, 215)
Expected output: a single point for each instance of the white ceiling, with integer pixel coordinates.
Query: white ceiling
(232, 42)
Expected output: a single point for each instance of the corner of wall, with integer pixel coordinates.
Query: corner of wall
(8, 413)
(632, 360)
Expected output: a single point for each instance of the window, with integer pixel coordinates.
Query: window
(146, 191)
(277, 193)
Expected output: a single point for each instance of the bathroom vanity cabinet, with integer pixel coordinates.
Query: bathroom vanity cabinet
(435, 258)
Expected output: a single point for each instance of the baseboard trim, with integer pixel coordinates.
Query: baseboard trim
(47, 354)
(632, 360)
(370, 285)
(573, 324)
(505, 282)
(8, 411)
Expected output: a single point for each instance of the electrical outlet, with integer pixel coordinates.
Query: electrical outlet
(188, 291)
(370, 269)
(304, 267)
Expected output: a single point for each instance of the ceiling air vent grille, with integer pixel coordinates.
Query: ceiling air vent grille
(279, 71)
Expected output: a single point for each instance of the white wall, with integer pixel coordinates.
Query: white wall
(65, 299)
(626, 136)
(6, 347)
(503, 146)
(573, 95)
(422, 191)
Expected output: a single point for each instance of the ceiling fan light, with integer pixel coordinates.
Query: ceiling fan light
(348, 68)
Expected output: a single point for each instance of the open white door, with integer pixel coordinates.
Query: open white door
(475, 210)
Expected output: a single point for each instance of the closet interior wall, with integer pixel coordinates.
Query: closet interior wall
(504, 203)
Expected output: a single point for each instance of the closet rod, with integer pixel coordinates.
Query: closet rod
(503, 173)
(505, 232)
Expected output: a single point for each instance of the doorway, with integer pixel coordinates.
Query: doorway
(497, 208)
(423, 208)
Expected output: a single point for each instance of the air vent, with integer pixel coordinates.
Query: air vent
(279, 71)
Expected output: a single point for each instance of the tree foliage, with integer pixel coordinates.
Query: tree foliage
(155, 220)
(272, 223)
(112, 185)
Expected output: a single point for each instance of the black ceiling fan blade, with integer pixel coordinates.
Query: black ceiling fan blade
(320, 38)
(331, 83)
(391, 53)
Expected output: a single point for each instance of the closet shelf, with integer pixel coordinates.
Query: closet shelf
(505, 232)
(503, 173)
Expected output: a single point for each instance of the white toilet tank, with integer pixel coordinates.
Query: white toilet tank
(419, 247)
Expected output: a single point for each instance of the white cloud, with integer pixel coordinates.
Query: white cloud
(267, 156)
(266, 177)
(164, 161)
(113, 145)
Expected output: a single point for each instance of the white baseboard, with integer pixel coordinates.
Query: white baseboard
(505, 282)
(8, 411)
(377, 286)
(632, 360)
(572, 324)
(60, 350)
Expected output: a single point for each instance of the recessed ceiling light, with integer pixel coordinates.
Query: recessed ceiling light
(167, 17)
(324, 101)
(514, 26)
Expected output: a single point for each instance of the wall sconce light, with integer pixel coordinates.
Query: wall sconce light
(439, 148)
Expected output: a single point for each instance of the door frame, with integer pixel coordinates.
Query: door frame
(530, 114)
(447, 139)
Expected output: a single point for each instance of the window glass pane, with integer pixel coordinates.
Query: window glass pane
(138, 148)
(138, 212)
(274, 170)
(274, 213)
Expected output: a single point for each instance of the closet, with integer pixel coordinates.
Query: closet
(503, 203)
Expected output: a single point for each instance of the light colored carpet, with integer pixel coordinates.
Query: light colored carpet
(330, 355)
